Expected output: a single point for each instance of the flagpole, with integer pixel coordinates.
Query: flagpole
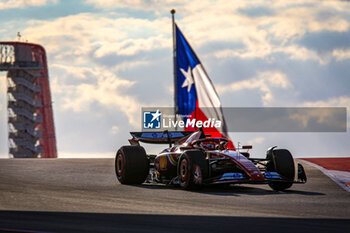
(174, 61)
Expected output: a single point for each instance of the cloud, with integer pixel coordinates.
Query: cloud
(257, 140)
(255, 46)
(341, 54)
(78, 88)
(267, 52)
(150, 5)
(115, 129)
(341, 101)
(264, 82)
(256, 11)
(7, 4)
(84, 37)
(326, 41)
(324, 119)
(277, 28)
(286, 30)
(86, 51)
(300, 53)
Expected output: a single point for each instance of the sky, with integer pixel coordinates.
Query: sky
(109, 58)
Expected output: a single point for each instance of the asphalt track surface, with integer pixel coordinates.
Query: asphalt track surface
(83, 195)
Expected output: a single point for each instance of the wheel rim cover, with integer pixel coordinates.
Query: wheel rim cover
(184, 170)
(120, 164)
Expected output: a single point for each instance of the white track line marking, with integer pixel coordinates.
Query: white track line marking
(339, 177)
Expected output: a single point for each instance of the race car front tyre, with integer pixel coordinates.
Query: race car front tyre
(281, 162)
(131, 165)
(192, 169)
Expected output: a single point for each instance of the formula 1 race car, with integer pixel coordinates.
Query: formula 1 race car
(197, 159)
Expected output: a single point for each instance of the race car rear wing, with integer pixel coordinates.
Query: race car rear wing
(165, 137)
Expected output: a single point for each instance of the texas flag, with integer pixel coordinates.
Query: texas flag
(195, 93)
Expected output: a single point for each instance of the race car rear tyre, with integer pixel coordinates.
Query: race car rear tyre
(281, 162)
(192, 169)
(131, 165)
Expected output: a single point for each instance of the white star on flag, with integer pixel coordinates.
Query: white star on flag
(156, 115)
(189, 79)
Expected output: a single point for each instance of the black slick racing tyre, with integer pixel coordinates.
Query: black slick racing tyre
(131, 165)
(192, 169)
(281, 162)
